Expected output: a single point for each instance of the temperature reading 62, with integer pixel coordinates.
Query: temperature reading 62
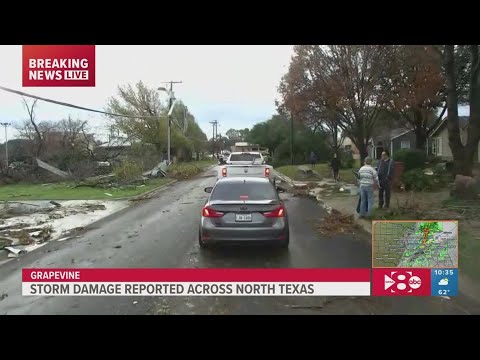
(443, 292)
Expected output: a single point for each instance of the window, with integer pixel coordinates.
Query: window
(245, 190)
(244, 157)
(405, 144)
(437, 146)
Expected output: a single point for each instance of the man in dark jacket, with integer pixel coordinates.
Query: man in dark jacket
(385, 175)
(335, 165)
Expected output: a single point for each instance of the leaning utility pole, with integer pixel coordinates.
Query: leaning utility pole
(170, 109)
(214, 134)
(6, 145)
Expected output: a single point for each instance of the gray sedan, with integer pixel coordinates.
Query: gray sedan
(244, 210)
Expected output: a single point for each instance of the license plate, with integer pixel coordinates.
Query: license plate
(243, 217)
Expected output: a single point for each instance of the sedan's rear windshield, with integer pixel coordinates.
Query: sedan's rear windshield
(244, 157)
(244, 191)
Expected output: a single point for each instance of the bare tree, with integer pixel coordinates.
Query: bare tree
(31, 113)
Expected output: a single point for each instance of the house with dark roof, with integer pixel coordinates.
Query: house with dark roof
(392, 140)
(438, 139)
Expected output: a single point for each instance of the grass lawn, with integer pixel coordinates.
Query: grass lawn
(66, 191)
(346, 175)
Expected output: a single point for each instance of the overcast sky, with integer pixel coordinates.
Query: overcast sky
(234, 84)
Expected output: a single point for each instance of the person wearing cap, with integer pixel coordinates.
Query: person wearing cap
(368, 179)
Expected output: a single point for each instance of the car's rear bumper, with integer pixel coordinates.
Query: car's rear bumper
(243, 235)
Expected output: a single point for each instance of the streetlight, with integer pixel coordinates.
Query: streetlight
(6, 144)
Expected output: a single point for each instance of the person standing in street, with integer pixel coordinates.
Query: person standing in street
(335, 165)
(385, 176)
(368, 179)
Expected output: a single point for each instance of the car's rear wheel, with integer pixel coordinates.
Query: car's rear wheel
(201, 243)
(285, 243)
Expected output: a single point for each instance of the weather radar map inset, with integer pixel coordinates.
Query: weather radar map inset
(415, 244)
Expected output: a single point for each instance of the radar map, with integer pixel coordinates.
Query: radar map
(415, 244)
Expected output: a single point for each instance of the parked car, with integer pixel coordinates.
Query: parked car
(247, 164)
(244, 210)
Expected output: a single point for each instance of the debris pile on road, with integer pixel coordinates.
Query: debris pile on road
(26, 226)
(336, 222)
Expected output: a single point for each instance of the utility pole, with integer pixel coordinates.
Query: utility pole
(214, 134)
(6, 144)
(170, 104)
(291, 138)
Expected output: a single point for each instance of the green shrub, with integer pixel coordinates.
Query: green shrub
(413, 159)
(416, 180)
(128, 170)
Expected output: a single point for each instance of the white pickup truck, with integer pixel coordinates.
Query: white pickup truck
(250, 164)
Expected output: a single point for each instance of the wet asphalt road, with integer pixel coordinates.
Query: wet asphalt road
(162, 232)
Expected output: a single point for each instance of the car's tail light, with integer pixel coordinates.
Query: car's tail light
(277, 213)
(224, 172)
(210, 213)
(267, 172)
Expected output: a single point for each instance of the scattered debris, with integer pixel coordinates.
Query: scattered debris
(108, 194)
(14, 252)
(134, 234)
(52, 169)
(3, 296)
(117, 246)
(336, 222)
(307, 307)
(94, 207)
(55, 203)
(135, 302)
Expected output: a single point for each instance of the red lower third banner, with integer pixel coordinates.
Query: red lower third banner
(196, 282)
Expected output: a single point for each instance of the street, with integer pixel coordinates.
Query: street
(162, 233)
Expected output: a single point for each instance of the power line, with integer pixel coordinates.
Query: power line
(21, 93)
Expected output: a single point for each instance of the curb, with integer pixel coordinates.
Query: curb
(365, 225)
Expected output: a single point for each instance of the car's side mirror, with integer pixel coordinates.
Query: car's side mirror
(208, 189)
(280, 190)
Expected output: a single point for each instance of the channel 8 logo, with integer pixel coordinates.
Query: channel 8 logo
(402, 281)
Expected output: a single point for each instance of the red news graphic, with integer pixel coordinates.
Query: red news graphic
(58, 65)
(196, 282)
(401, 282)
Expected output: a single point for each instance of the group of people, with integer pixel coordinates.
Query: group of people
(370, 179)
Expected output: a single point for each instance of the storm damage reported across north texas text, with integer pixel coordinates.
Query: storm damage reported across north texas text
(190, 289)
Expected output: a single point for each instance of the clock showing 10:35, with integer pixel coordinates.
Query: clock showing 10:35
(444, 282)
(443, 272)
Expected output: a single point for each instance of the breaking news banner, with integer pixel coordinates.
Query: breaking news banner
(414, 282)
(58, 65)
(196, 282)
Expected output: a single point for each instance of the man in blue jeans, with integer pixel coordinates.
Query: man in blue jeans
(368, 179)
